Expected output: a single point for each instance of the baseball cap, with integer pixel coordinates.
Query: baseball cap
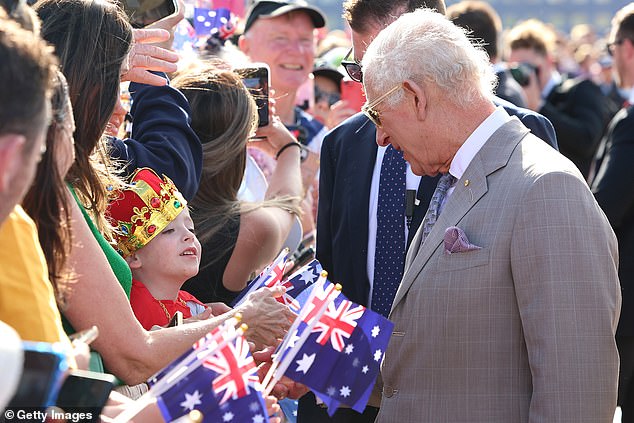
(273, 8)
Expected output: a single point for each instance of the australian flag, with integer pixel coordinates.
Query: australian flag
(208, 21)
(272, 275)
(341, 356)
(223, 386)
(297, 283)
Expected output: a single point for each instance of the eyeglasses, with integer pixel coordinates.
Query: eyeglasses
(370, 111)
(610, 46)
(352, 67)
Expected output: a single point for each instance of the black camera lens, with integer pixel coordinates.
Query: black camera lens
(522, 73)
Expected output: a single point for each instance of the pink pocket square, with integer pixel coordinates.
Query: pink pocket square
(456, 241)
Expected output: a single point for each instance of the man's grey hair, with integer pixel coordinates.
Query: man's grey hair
(425, 47)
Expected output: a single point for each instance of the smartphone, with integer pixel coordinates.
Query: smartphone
(352, 93)
(45, 368)
(144, 12)
(257, 80)
(85, 392)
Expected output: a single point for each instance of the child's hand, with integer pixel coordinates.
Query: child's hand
(218, 308)
(201, 316)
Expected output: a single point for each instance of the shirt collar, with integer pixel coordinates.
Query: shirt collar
(476, 140)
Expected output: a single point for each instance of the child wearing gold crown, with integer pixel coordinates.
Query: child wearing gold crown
(155, 235)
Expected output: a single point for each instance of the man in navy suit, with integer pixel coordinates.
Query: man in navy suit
(349, 186)
(611, 182)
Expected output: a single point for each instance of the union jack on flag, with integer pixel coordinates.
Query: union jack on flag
(338, 323)
(269, 277)
(236, 370)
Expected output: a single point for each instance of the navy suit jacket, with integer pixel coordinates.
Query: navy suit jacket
(162, 137)
(347, 162)
(613, 188)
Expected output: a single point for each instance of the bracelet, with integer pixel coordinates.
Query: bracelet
(290, 144)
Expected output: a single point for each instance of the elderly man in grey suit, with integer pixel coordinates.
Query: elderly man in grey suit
(510, 298)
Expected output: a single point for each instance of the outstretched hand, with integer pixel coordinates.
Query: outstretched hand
(145, 57)
(268, 319)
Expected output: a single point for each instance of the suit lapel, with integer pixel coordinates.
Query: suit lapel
(492, 156)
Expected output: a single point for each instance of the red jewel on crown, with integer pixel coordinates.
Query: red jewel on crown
(151, 229)
(155, 202)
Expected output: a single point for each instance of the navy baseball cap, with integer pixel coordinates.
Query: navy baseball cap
(274, 8)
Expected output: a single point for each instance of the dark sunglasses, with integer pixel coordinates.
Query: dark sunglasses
(352, 67)
(331, 98)
(610, 46)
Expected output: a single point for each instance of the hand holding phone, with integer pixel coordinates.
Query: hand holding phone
(257, 80)
(85, 391)
(135, 67)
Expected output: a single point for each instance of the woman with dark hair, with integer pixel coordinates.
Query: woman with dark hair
(238, 238)
(47, 201)
(92, 39)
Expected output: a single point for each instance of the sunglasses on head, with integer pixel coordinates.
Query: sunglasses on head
(352, 67)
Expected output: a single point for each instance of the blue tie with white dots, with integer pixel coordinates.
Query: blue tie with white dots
(389, 257)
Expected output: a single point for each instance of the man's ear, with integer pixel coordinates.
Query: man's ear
(134, 261)
(11, 146)
(419, 97)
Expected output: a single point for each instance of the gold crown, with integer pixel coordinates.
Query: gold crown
(141, 211)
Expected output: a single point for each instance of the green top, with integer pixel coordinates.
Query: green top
(117, 263)
(120, 269)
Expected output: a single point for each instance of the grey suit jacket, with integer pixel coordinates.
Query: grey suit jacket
(521, 330)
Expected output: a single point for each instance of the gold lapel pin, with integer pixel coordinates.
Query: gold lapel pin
(467, 182)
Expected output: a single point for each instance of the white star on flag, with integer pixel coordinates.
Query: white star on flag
(344, 391)
(308, 276)
(227, 417)
(304, 364)
(377, 355)
(331, 391)
(365, 369)
(375, 331)
(293, 339)
(349, 349)
(258, 418)
(355, 362)
(191, 400)
(254, 406)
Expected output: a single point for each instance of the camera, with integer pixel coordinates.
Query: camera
(522, 73)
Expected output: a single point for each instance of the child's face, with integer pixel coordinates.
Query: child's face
(173, 253)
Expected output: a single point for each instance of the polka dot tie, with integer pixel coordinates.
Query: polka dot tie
(389, 257)
(433, 211)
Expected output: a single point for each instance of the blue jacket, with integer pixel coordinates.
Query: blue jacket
(162, 137)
